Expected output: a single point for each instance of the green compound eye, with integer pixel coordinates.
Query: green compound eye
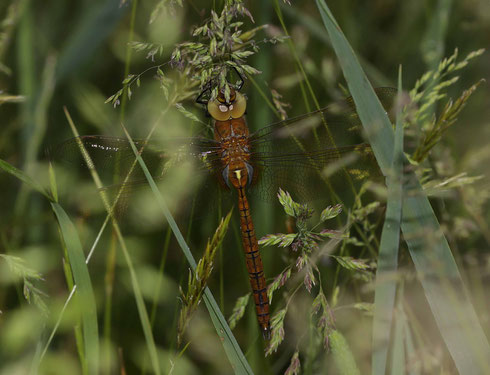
(222, 112)
(218, 111)
(239, 106)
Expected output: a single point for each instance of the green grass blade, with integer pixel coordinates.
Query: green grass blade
(434, 262)
(73, 289)
(232, 349)
(384, 297)
(9, 168)
(85, 293)
(342, 355)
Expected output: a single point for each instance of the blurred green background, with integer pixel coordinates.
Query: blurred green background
(74, 55)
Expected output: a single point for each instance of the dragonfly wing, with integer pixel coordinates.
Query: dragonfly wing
(318, 152)
(113, 159)
(334, 125)
(114, 156)
(309, 175)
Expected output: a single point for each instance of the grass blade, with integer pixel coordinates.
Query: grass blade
(342, 355)
(85, 293)
(384, 297)
(232, 349)
(434, 262)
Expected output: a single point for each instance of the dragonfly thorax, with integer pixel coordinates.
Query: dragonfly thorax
(235, 156)
(232, 136)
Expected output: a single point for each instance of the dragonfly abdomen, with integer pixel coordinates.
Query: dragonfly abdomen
(254, 264)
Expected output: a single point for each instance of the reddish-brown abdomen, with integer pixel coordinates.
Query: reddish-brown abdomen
(254, 264)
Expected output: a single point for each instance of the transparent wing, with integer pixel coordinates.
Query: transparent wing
(113, 156)
(314, 153)
(114, 160)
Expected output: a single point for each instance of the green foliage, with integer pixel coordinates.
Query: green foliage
(325, 322)
(279, 105)
(164, 7)
(279, 282)
(351, 263)
(71, 55)
(222, 47)
(427, 92)
(295, 365)
(305, 244)
(330, 212)
(342, 355)
(29, 276)
(277, 327)
(85, 292)
(199, 278)
(152, 49)
(238, 310)
(422, 231)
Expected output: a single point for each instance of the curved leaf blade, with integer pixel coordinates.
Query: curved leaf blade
(85, 292)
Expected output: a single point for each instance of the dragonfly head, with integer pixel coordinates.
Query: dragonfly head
(221, 109)
(222, 97)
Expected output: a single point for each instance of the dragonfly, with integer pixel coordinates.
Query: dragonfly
(291, 154)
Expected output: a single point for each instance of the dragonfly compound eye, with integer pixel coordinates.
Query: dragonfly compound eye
(239, 106)
(222, 111)
(218, 111)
